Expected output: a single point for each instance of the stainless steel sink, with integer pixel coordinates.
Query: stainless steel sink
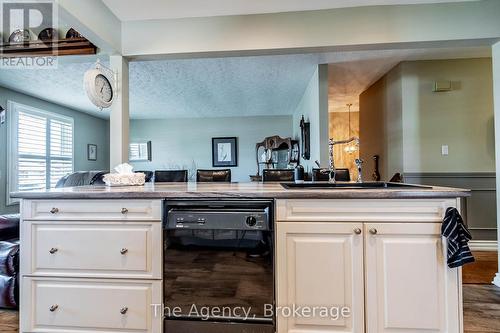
(351, 185)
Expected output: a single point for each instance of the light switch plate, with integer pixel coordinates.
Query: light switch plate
(444, 150)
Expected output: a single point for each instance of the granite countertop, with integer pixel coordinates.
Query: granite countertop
(237, 190)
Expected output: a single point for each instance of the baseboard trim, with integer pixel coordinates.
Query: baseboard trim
(496, 280)
(478, 245)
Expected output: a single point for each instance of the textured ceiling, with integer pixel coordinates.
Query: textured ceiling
(246, 86)
(168, 9)
(218, 87)
(63, 85)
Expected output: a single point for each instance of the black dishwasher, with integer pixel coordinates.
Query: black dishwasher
(218, 266)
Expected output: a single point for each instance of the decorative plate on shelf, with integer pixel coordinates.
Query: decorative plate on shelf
(72, 33)
(20, 36)
(48, 34)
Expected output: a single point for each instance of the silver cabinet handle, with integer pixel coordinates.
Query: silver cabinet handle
(373, 231)
(357, 231)
(53, 308)
(53, 250)
(124, 250)
(123, 310)
(54, 210)
(124, 210)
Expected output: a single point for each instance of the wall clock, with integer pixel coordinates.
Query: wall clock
(99, 86)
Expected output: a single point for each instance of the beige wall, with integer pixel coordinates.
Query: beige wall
(339, 130)
(381, 125)
(461, 118)
(496, 94)
(408, 123)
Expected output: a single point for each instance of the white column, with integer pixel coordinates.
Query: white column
(323, 120)
(496, 98)
(119, 120)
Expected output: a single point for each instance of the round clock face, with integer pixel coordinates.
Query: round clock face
(99, 88)
(103, 88)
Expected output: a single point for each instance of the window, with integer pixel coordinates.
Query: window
(40, 148)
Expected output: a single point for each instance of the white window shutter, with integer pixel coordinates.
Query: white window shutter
(43, 148)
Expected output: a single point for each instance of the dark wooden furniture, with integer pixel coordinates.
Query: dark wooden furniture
(342, 175)
(207, 176)
(170, 176)
(277, 175)
(376, 173)
(305, 138)
(275, 152)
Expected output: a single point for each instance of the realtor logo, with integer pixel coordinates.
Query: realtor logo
(22, 24)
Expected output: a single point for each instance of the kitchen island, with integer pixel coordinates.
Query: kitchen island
(92, 257)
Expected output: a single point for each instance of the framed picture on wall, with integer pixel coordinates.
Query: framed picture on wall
(91, 152)
(140, 151)
(225, 152)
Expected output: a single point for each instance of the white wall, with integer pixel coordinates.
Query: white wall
(314, 107)
(187, 143)
(265, 33)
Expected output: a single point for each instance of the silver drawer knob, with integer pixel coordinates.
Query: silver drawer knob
(54, 210)
(53, 250)
(357, 231)
(373, 231)
(123, 310)
(124, 210)
(53, 308)
(124, 250)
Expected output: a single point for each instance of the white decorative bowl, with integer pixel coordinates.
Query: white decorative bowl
(117, 179)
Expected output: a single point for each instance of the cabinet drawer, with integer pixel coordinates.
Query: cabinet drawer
(363, 210)
(136, 210)
(92, 249)
(71, 305)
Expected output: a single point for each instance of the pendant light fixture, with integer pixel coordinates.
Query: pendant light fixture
(350, 148)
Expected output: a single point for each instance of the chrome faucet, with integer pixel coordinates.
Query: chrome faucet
(332, 170)
(359, 163)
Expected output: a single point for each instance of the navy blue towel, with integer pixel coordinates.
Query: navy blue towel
(458, 236)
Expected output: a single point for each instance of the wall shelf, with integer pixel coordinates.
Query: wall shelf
(57, 47)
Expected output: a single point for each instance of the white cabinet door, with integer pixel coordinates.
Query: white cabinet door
(409, 288)
(319, 267)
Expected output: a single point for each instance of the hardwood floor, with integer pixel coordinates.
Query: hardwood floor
(9, 321)
(481, 308)
(481, 298)
(482, 270)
